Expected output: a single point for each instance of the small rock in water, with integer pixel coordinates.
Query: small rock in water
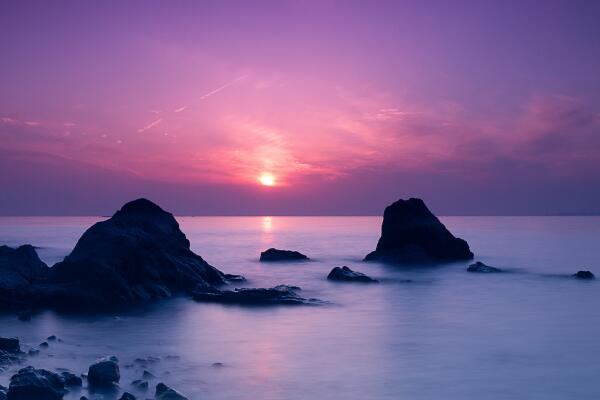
(70, 379)
(44, 345)
(127, 396)
(10, 345)
(218, 365)
(281, 294)
(345, 274)
(481, 267)
(30, 383)
(281, 255)
(148, 375)
(104, 372)
(51, 338)
(140, 384)
(163, 392)
(584, 275)
(33, 352)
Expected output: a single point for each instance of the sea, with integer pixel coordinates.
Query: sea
(422, 333)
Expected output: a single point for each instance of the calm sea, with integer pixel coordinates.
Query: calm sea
(531, 333)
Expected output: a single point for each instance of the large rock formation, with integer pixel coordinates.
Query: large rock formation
(410, 233)
(20, 268)
(138, 254)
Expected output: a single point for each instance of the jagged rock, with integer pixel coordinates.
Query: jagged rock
(138, 254)
(127, 396)
(481, 267)
(410, 233)
(281, 255)
(148, 375)
(345, 274)
(163, 392)
(104, 373)
(70, 379)
(140, 384)
(10, 345)
(20, 268)
(584, 275)
(281, 294)
(30, 383)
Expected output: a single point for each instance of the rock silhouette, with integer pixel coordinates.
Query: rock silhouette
(30, 383)
(20, 269)
(104, 373)
(410, 233)
(584, 275)
(281, 255)
(281, 294)
(163, 392)
(482, 268)
(345, 274)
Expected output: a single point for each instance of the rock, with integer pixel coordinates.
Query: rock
(20, 268)
(33, 352)
(140, 384)
(148, 375)
(410, 233)
(163, 392)
(584, 275)
(234, 278)
(281, 255)
(30, 383)
(139, 254)
(218, 365)
(127, 396)
(481, 267)
(70, 379)
(44, 345)
(10, 345)
(51, 338)
(345, 274)
(281, 294)
(104, 373)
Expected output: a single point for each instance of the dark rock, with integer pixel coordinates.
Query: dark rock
(33, 352)
(44, 345)
(281, 294)
(127, 396)
(138, 254)
(584, 275)
(104, 373)
(51, 338)
(218, 365)
(148, 375)
(234, 278)
(281, 255)
(83, 398)
(20, 268)
(410, 233)
(10, 345)
(30, 383)
(345, 274)
(163, 392)
(481, 267)
(70, 379)
(140, 384)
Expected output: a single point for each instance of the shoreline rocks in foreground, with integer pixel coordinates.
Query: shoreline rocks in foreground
(137, 255)
(272, 254)
(482, 268)
(410, 233)
(345, 274)
(277, 295)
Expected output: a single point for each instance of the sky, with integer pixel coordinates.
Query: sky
(300, 107)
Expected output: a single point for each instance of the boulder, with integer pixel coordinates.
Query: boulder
(410, 233)
(163, 392)
(140, 384)
(345, 274)
(481, 267)
(281, 294)
(127, 396)
(20, 268)
(104, 373)
(137, 255)
(584, 275)
(281, 255)
(30, 383)
(10, 345)
(70, 380)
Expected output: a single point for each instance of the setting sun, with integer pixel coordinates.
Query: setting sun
(266, 179)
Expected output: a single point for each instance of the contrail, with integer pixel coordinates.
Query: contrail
(225, 86)
(180, 109)
(150, 125)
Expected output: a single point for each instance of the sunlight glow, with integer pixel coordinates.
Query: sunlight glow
(266, 179)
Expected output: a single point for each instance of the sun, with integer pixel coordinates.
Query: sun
(266, 179)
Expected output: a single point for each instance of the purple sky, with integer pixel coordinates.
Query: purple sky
(478, 107)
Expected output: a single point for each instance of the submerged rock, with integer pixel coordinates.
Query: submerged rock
(20, 268)
(345, 274)
(281, 255)
(410, 233)
(163, 392)
(481, 267)
(138, 254)
(584, 275)
(281, 294)
(104, 373)
(30, 383)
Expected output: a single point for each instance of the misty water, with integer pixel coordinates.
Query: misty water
(529, 333)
